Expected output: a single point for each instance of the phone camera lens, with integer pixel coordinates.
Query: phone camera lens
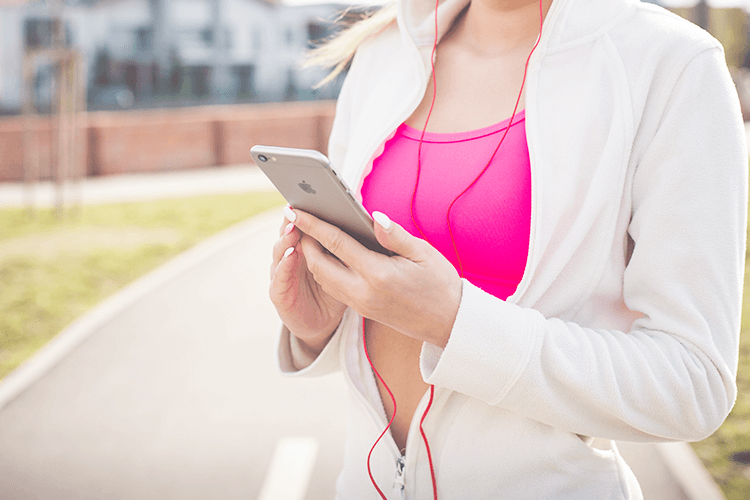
(262, 157)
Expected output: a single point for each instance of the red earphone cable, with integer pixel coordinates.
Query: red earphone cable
(507, 129)
(424, 130)
(502, 139)
(414, 220)
(393, 399)
(427, 444)
(453, 241)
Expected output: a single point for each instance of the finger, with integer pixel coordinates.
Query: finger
(347, 249)
(329, 272)
(395, 238)
(282, 244)
(285, 241)
(282, 275)
(288, 217)
(283, 226)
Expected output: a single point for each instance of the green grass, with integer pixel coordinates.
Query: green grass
(53, 270)
(734, 435)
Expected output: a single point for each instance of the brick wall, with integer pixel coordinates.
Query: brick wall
(12, 148)
(158, 140)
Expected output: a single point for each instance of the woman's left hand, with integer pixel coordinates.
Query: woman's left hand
(416, 292)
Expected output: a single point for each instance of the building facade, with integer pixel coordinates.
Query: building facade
(155, 53)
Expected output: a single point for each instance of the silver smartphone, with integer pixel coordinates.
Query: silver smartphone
(307, 180)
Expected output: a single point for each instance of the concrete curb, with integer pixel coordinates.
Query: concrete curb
(689, 472)
(68, 339)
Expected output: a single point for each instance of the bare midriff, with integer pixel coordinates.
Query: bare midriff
(396, 357)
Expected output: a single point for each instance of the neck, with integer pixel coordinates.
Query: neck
(496, 26)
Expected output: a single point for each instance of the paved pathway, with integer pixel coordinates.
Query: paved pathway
(176, 396)
(174, 393)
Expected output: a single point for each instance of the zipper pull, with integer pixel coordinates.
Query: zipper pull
(398, 483)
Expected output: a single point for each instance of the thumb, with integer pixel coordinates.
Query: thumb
(396, 239)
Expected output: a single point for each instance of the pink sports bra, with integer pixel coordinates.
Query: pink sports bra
(490, 222)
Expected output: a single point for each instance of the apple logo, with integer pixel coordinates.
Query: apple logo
(307, 188)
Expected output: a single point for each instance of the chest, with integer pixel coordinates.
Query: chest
(472, 90)
(579, 124)
(467, 194)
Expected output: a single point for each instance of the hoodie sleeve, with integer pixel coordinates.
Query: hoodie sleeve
(672, 376)
(293, 361)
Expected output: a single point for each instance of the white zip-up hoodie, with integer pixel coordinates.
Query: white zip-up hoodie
(626, 323)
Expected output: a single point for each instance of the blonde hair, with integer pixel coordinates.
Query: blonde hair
(338, 52)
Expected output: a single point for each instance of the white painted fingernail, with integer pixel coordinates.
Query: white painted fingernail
(289, 228)
(382, 219)
(289, 213)
(288, 252)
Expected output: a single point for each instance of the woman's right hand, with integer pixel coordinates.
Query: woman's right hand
(308, 312)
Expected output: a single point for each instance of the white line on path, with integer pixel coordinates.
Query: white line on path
(291, 467)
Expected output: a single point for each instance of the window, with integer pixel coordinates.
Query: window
(200, 76)
(207, 36)
(144, 39)
(244, 80)
(38, 33)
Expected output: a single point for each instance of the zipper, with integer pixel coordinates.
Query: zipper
(398, 483)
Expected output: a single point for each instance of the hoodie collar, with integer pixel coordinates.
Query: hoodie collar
(567, 22)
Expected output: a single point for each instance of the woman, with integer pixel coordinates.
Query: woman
(583, 281)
